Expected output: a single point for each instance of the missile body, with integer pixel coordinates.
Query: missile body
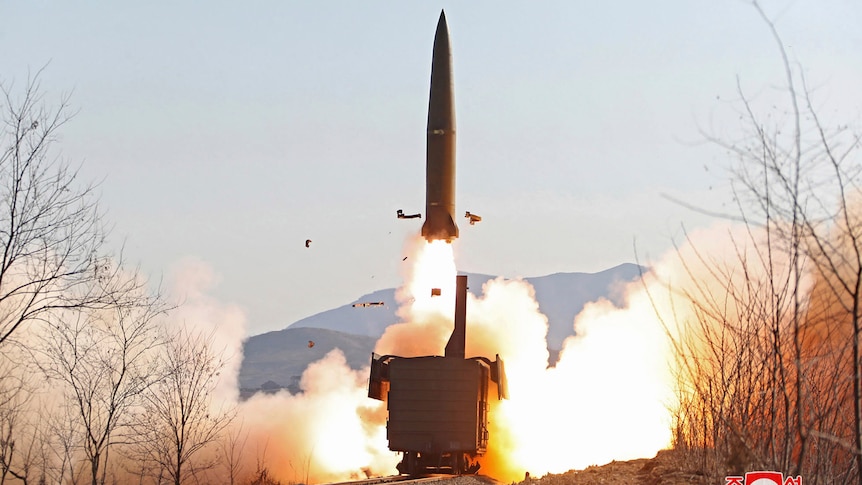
(440, 143)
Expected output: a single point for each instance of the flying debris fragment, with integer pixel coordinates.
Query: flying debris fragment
(473, 218)
(366, 304)
(402, 215)
(435, 292)
(308, 243)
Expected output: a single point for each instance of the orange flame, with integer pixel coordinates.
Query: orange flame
(606, 399)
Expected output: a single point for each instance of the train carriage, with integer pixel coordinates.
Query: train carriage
(438, 405)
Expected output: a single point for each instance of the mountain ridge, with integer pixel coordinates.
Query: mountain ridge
(560, 295)
(276, 359)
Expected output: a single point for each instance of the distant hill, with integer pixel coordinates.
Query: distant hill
(561, 296)
(372, 320)
(277, 359)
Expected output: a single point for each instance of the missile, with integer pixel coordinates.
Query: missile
(440, 143)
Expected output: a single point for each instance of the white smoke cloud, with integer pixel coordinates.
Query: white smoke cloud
(191, 280)
(330, 431)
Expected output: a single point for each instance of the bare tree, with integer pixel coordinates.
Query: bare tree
(51, 234)
(261, 475)
(105, 360)
(66, 439)
(178, 419)
(52, 263)
(770, 363)
(15, 396)
(232, 449)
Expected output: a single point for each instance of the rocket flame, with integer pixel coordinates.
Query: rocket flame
(427, 319)
(434, 268)
(606, 399)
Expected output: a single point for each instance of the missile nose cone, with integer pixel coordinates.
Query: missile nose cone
(441, 106)
(442, 28)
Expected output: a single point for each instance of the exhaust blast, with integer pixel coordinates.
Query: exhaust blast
(605, 400)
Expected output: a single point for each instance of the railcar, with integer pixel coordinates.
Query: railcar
(438, 405)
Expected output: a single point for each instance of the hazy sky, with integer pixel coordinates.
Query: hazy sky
(230, 132)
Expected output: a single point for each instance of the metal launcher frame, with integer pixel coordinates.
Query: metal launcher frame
(438, 406)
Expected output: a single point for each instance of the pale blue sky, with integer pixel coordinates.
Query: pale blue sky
(232, 131)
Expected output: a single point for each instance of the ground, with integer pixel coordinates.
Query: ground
(666, 468)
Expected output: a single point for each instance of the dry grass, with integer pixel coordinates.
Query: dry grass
(668, 467)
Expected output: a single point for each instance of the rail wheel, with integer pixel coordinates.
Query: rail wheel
(409, 464)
